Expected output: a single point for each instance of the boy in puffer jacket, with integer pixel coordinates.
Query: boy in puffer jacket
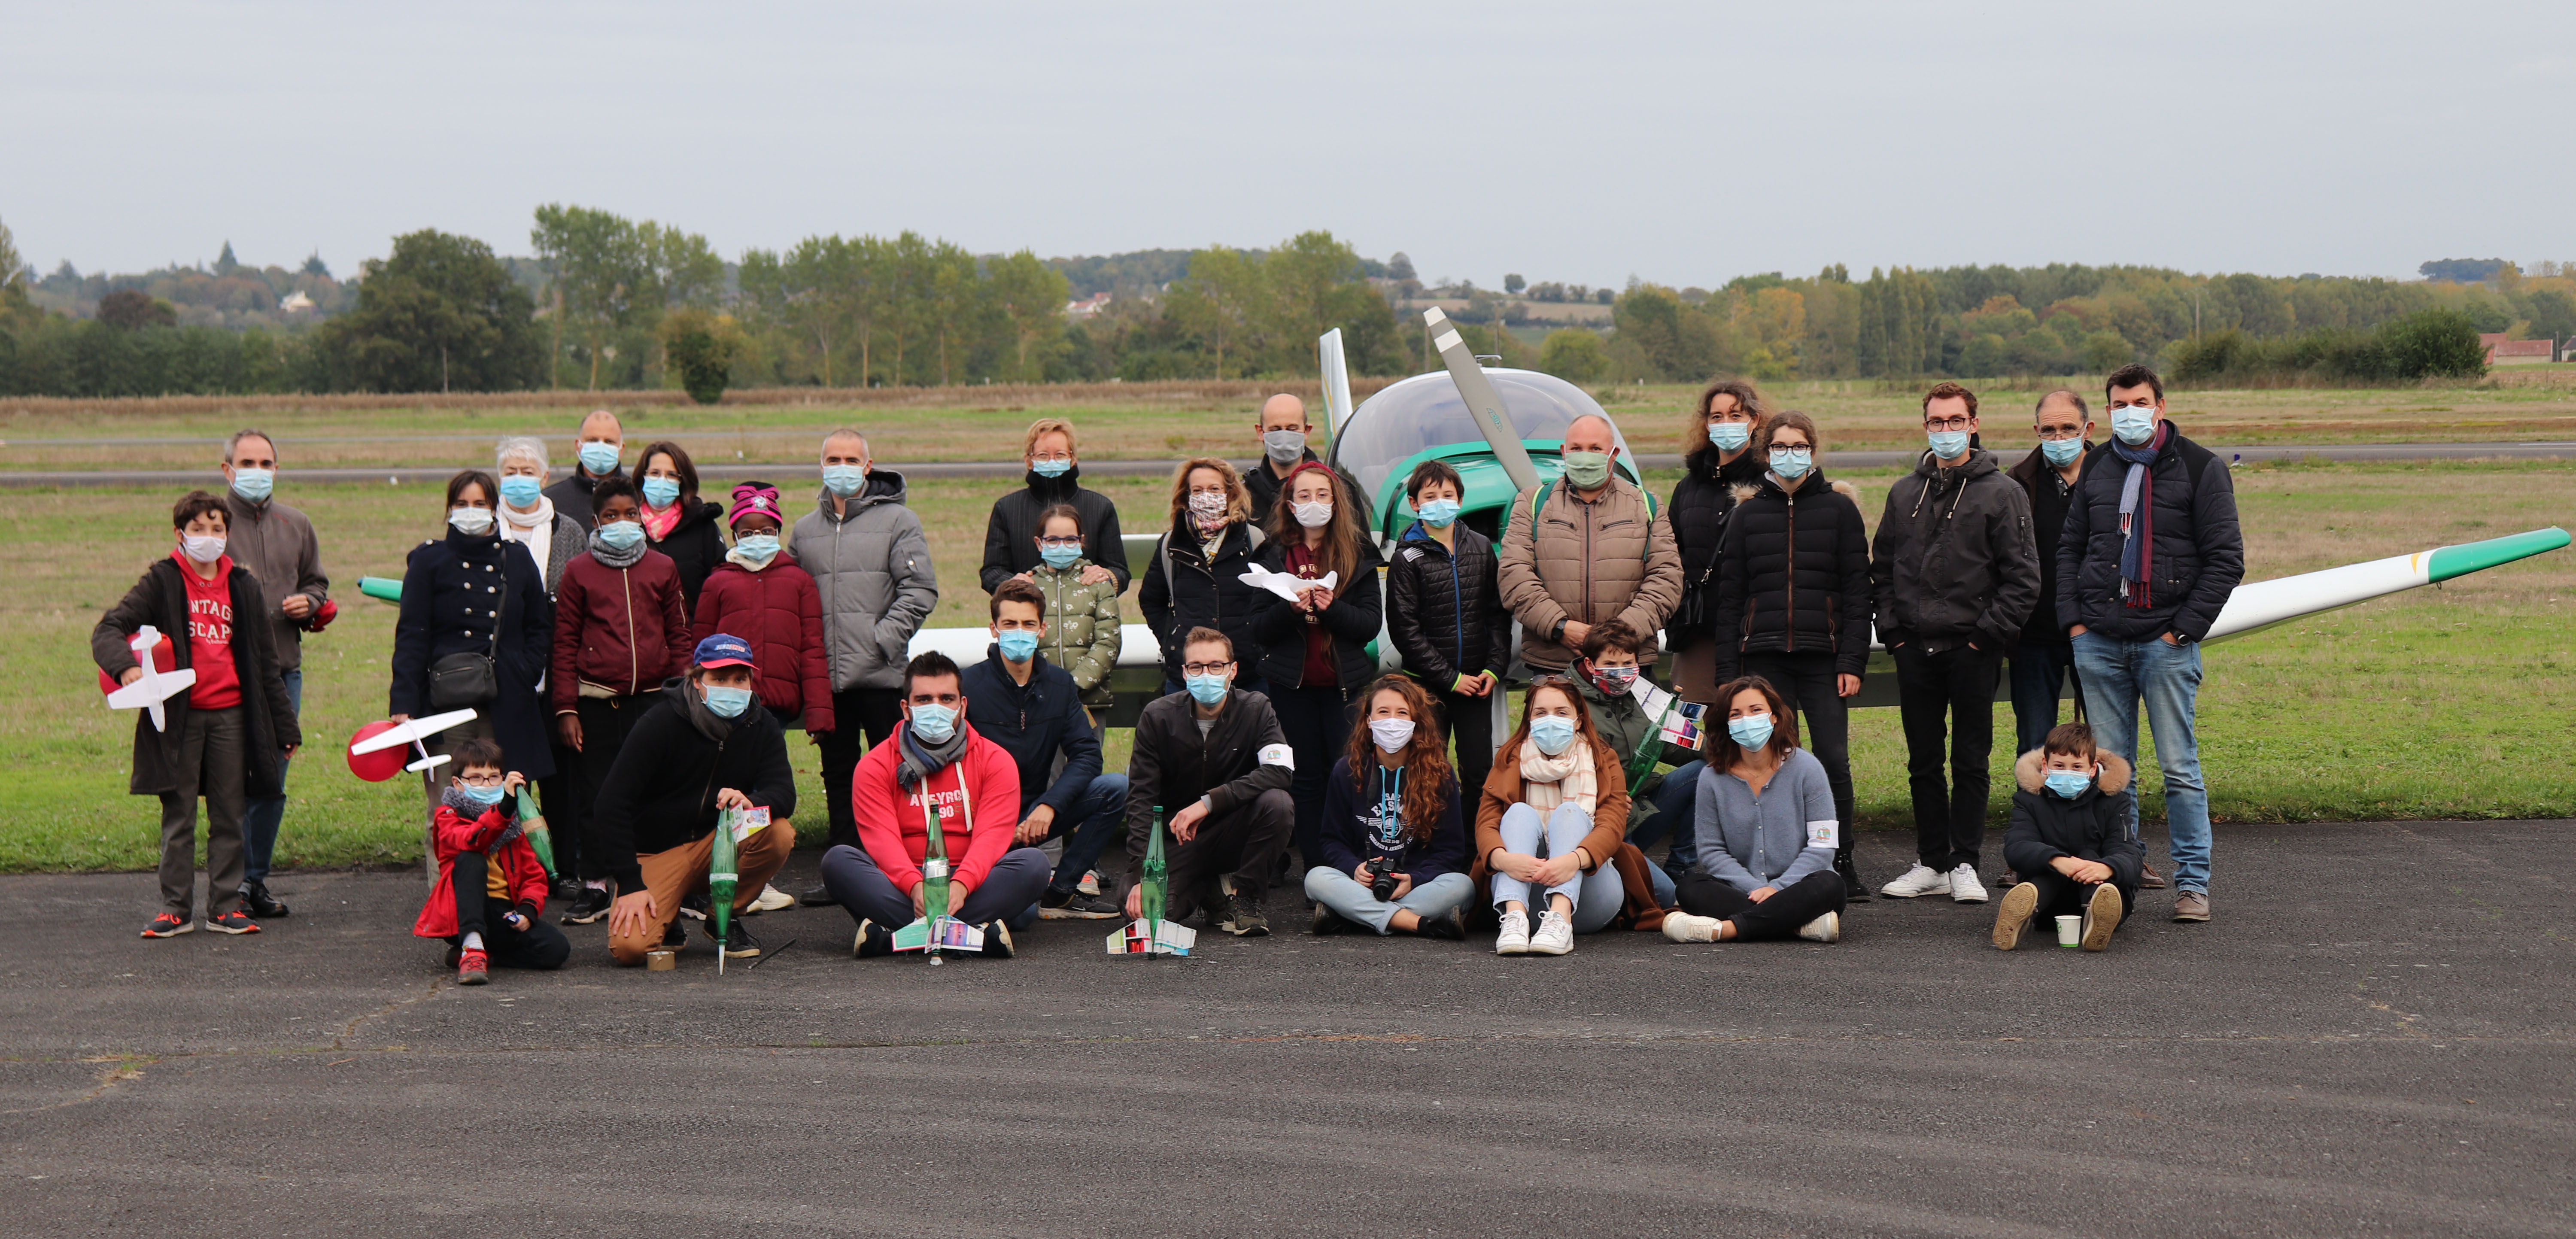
(491, 893)
(2069, 839)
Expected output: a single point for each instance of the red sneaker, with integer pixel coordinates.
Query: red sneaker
(473, 967)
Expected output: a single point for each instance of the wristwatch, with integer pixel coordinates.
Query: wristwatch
(1557, 633)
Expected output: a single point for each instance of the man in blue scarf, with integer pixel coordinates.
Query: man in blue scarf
(2150, 552)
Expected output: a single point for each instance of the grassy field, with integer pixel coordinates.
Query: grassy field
(1157, 421)
(2449, 702)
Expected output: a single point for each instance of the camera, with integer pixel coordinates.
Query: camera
(1382, 876)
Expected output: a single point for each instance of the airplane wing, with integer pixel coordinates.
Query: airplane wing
(954, 935)
(152, 689)
(1136, 937)
(2253, 608)
(1337, 380)
(404, 733)
(1482, 400)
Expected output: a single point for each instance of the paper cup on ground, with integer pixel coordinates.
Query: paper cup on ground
(2070, 931)
(664, 961)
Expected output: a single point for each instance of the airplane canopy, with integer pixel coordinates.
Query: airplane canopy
(1425, 411)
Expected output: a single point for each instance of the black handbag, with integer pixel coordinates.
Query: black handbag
(465, 679)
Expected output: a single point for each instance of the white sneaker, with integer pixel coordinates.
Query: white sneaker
(1683, 927)
(1555, 935)
(1514, 940)
(1922, 879)
(1964, 886)
(772, 899)
(1826, 928)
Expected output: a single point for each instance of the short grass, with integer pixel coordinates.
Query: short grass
(2449, 702)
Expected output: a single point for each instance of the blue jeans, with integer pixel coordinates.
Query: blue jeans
(2038, 671)
(1344, 894)
(1596, 895)
(2117, 677)
(1098, 815)
(1675, 804)
(261, 816)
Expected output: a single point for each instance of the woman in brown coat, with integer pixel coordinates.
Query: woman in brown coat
(1555, 810)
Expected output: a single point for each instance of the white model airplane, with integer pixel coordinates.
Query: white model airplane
(154, 686)
(412, 733)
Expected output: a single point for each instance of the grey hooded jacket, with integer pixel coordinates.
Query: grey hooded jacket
(872, 566)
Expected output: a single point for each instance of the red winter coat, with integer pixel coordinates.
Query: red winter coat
(451, 834)
(625, 628)
(780, 612)
(978, 796)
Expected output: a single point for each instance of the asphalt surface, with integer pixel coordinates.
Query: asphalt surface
(722, 470)
(2374, 1035)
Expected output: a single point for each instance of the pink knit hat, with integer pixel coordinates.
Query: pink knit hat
(751, 498)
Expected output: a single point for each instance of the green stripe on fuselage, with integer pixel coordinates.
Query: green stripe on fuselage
(2468, 557)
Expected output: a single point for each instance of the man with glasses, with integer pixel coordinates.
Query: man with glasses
(2043, 658)
(2150, 552)
(1055, 474)
(279, 547)
(1213, 761)
(1956, 572)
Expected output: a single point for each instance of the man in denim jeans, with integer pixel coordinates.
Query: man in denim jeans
(2150, 552)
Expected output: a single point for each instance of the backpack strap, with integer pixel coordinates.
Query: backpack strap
(1539, 500)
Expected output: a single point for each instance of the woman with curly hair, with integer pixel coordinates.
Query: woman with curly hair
(1391, 850)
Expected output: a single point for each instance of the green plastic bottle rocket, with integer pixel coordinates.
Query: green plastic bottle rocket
(934, 874)
(533, 824)
(1149, 898)
(723, 876)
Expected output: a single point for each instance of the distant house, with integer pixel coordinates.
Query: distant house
(2504, 352)
(1079, 310)
(295, 301)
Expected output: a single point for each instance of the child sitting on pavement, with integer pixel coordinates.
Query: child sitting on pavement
(2069, 839)
(491, 891)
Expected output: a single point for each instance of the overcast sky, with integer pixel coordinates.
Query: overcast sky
(1584, 142)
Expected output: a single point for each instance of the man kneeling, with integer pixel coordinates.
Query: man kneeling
(1213, 758)
(702, 748)
(2069, 839)
(935, 764)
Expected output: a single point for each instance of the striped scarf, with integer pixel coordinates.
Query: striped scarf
(2138, 516)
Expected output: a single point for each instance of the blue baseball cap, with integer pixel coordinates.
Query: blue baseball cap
(724, 650)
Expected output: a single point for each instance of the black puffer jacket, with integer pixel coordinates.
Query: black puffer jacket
(1357, 613)
(2048, 505)
(1011, 534)
(2199, 550)
(696, 546)
(1702, 502)
(2094, 826)
(1954, 561)
(1182, 591)
(1445, 611)
(1794, 577)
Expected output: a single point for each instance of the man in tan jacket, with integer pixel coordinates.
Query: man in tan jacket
(1596, 551)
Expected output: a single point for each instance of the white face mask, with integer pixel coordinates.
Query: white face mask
(1313, 515)
(1391, 734)
(471, 520)
(204, 548)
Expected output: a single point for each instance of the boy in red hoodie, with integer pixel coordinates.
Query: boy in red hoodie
(491, 891)
(936, 764)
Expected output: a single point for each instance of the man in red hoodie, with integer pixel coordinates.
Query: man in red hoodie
(937, 764)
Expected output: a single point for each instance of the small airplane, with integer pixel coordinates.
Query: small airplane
(935, 930)
(1150, 935)
(413, 732)
(154, 686)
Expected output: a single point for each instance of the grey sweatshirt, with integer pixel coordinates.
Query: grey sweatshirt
(1774, 839)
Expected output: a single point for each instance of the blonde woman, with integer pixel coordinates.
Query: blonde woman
(1195, 579)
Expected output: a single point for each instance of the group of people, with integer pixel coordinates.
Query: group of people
(639, 669)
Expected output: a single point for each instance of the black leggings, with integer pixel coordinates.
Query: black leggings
(1777, 917)
(540, 945)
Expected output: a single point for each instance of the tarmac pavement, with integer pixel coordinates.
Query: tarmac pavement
(2373, 1035)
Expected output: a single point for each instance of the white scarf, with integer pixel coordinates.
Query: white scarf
(534, 530)
(1547, 782)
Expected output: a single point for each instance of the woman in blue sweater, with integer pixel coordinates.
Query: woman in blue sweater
(1391, 850)
(1767, 831)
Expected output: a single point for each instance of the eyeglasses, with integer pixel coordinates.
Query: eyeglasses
(2061, 434)
(479, 780)
(1075, 540)
(1205, 668)
(1061, 460)
(1947, 423)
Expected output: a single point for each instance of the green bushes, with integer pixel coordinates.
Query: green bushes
(51, 355)
(2431, 343)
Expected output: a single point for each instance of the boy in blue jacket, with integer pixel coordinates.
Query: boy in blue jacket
(2069, 839)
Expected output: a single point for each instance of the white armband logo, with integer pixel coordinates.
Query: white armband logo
(1279, 755)
(1824, 834)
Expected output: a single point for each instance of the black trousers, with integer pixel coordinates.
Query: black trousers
(1947, 699)
(605, 724)
(540, 945)
(1777, 917)
(1245, 843)
(2060, 895)
(1317, 723)
(1470, 722)
(1807, 680)
(860, 717)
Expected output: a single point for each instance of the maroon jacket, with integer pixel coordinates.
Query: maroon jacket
(624, 628)
(780, 612)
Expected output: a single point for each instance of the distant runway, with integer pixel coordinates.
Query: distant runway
(734, 470)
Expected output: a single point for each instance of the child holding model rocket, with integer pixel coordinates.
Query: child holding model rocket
(490, 898)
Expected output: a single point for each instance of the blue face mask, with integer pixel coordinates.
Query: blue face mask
(2061, 452)
(1051, 468)
(934, 724)
(1752, 731)
(1551, 733)
(1792, 463)
(1059, 557)
(845, 480)
(1018, 644)
(520, 490)
(1439, 513)
(728, 702)
(2133, 425)
(254, 484)
(620, 535)
(759, 548)
(1207, 690)
(482, 797)
(2069, 783)
(1730, 436)
(599, 458)
(661, 491)
(1947, 444)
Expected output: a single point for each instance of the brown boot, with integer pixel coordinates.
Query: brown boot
(2191, 906)
(2148, 881)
